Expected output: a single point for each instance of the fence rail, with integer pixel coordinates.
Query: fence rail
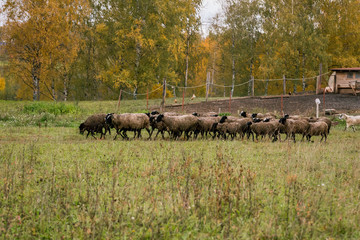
(210, 89)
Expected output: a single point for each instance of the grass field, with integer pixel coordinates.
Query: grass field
(55, 184)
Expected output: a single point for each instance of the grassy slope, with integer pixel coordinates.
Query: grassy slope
(55, 183)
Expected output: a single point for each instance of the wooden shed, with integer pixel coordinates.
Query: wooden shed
(342, 80)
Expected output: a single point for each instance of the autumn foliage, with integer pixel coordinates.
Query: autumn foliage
(86, 49)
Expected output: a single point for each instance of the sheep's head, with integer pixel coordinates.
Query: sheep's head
(243, 114)
(195, 114)
(249, 123)
(286, 116)
(82, 128)
(154, 113)
(160, 118)
(266, 120)
(152, 119)
(254, 115)
(341, 116)
(108, 118)
(282, 120)
(223, 119)
(256, 120)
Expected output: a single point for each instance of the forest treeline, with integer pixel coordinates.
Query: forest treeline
(90, 49)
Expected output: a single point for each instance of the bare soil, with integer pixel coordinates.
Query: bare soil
(292, 104)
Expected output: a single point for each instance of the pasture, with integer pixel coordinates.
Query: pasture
(56, 184)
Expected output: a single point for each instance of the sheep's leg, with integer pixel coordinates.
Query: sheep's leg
(117, 132)
(302, 139)
(151, 132)
(148, 131)
(353, 127)
(88, 134)
(293, 136)
(157, 135)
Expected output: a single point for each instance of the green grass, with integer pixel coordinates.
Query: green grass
(56, 184)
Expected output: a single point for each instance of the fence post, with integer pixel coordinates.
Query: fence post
(118, 105)
(147, 98)
(252, 86)
(207, 85)
(183, 99)
(230, 103)
(162, 105)
(284, 84)
(282, 104)
(266, 86)
(324, 101)
(318, 80)
(303, 83)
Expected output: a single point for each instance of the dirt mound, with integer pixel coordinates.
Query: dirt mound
(292, 104)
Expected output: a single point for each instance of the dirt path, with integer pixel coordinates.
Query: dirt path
(294, 104)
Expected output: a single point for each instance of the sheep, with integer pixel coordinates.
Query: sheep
(322, 119)
(160, 126)
(227, 127)
(243, 127)
(292, 127)
(351, 121)
(245, 115)
(208, 114)
(179, 124)
(264, 129)
(129, 122)
(263, 115)
(316, 129)
(95, 124)
(205, 125)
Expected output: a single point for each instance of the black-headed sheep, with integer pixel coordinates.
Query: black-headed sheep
(317, 129)
(179, 124)
(129, 122)
(160, 126)
(205, 126)
(292, 127)
(263, 129)
(95, 124)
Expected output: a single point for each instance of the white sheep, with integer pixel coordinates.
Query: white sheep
(351, 121)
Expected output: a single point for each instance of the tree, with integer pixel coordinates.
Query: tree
(42, 41)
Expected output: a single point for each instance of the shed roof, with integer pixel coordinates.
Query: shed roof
(346, 69)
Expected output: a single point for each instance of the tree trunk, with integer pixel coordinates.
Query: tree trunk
(36, 81)
(303, 75)
(187, 61)
(65, 88)
(233, 67)
(53, 89)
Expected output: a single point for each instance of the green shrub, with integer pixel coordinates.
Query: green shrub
(224, 114)
(53, 108)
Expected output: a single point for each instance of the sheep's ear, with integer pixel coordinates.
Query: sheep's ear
(147, 114)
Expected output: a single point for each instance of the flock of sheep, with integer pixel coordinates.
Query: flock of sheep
(223, 127)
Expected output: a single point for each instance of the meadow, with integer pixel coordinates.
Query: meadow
(56, 184)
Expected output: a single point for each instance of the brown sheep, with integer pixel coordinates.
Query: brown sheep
(95, 124)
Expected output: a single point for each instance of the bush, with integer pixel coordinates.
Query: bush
(53, 108)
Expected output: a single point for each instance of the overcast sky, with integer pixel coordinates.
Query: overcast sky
(209, 10)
